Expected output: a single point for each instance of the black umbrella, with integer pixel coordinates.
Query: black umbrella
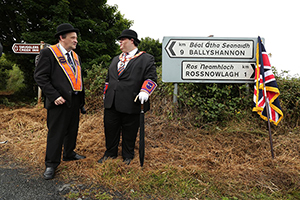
(142, 136)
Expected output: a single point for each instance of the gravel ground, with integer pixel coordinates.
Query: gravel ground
(23, 183)
(17, 184)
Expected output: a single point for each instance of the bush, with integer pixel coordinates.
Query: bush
(215, 102)
(15, 80)
(94, 85)
(205, 103)
(5, 66)
(289, 100)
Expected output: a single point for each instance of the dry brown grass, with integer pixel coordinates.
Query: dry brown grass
(234, 161)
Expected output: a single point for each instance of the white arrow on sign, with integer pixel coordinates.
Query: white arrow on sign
(210, 48)
(233, 71)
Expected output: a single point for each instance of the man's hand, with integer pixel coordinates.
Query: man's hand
(59, 101)
(143, 97)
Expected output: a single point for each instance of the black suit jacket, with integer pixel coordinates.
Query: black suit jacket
(52, 80)
(122, 90)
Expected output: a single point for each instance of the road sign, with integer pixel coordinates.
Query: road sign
(24, 48)
(204, 48)
(237, 71)
(208, 59)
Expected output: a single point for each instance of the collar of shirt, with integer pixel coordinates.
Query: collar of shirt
(63, 50)
(132, 53)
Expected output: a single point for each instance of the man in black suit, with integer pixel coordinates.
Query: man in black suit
(130, 75)
(58, 74)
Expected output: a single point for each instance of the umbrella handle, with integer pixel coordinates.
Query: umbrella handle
(142, 105)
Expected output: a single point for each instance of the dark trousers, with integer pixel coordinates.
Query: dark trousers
(62, 122)
(117, 124)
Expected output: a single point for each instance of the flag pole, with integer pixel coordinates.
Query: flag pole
(269, 124)
(267, 104)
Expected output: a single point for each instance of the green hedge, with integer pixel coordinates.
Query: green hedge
(207, 103)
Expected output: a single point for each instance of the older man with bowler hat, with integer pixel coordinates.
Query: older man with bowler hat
(131, 75)
(58, 74)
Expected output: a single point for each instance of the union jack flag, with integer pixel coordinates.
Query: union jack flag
(266, 92)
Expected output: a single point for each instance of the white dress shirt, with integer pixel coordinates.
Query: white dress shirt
(130, 54)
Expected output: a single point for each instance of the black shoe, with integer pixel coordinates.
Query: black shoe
(76, 157)
(104, 158)
(49, 173)
(127, 160)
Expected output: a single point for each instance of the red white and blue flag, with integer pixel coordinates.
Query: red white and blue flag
(266, 92)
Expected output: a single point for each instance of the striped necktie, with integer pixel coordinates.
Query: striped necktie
(122, 64)
(71, 62)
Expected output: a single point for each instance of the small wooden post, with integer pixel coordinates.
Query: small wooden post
(42, 45)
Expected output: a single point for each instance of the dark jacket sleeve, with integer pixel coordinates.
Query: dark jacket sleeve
(150, 72)
(42, 75)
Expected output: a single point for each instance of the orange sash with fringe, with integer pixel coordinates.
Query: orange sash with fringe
(73, 77)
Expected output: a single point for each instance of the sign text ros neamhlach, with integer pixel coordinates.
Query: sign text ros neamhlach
(217, 70)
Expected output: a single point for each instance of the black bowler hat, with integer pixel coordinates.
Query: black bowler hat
(128, 33)
(65, 28)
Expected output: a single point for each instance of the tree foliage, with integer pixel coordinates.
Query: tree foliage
(152, 47)
(4, 66)
(32, 21)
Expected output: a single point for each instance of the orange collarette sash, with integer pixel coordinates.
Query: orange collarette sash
(74, 77)
(123, 58)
